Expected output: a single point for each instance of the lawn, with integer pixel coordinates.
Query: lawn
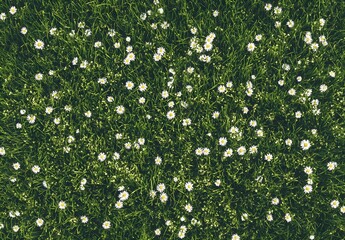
(172, 119)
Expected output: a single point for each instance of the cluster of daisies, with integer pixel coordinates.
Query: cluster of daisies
(232, 143)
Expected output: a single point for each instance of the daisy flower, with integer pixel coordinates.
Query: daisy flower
(163, 197)
(189, 186)
(106, 225)
(23, 30)
(39, 222)
(171, 115)
(308, 188)
(288, 217)
(120, 109)
(119, 204)
(275, 201)
(13, 10)
(129, 85)
(39, 44)
(250, 47)
(188, 208)
(241, 150)
(332, 165)
(308, 170)
(305, 144)
(62, 205)
(2, 151)
(84, 219)
(235, 237)
(222, 141)
(36, 169)
(335, 204)
(102, 156)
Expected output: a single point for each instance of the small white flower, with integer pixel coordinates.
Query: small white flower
(102, 156)
(49, 110)
(163, 197)
(84, 219)
(323, 88)
(13, 10)
(241, 150)
(332, 165)
(269, 217)
(39, 76)
(290, 24)
(106, 225)
(171, 115)
(158, 232)
(305, 144)
(308, 170)
(119, 204)
(189, 186)
(23, 30)
(288, 217)
(15, 228)
(88, 114)
(217, 182)
(120, 109)
(308, 188)
(298, 114)
(268, 6)
(2, 151)
(39, 44)
(275, 201)
(188, 208)
(277, 10)
(16, 165)
(102, 80)
(62, 205)
(268, 157)
(222, 141)
(251, 47)
(332, 74)
(39, 222)
(335, 204)
(342, 209)
(36, 169)
(215, 13)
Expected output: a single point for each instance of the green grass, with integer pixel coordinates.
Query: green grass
(248, 182)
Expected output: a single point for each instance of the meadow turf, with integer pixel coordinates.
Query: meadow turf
(172, 119)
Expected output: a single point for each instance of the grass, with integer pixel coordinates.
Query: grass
(231, 196)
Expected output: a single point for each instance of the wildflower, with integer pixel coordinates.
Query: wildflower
(332, 165)
(39, 222)
(305, 144)
(308, 170)
(250, 47)
(288, 217)
(13, 10)
(308, 188)
(275, 201)
(189, 186)
(39, 44)
(334, 203)
(36, 169)
(84, 219)
(23, 30)
(62, 205)
(163, 197)
(102, 156)
(106, 225)
(119, 204)
(2, 151)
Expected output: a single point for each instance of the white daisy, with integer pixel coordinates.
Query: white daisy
(106, 225)
(39, 44)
